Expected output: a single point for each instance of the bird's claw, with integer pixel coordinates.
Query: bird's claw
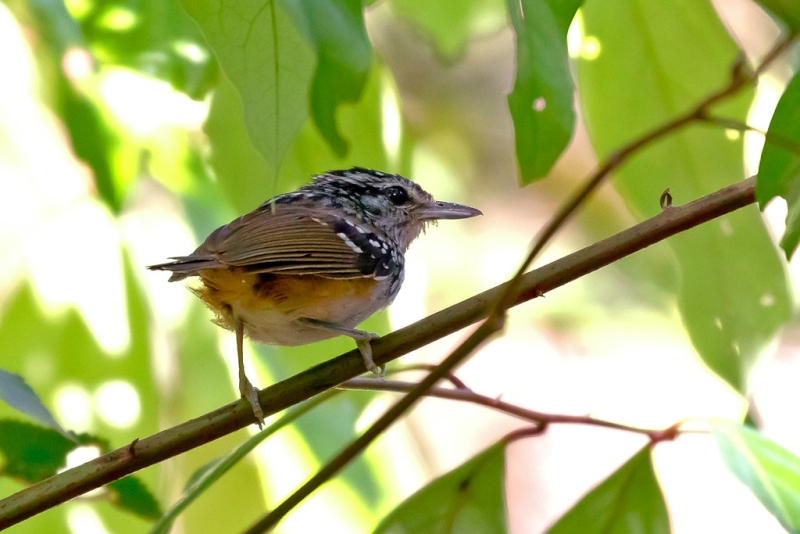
(250, 394)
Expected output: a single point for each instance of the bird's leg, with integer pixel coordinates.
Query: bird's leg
(361, 338)
(246, 389)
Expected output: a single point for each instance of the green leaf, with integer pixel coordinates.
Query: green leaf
(771, 472)
(154, 37)
(541, 102)
(335, 29)
(468, 499)
(627, 502)
(733, 294)
(93, 140)
(245, 178)
(450, 25)
(779, 168)
(131, 494)
(18, 394)
(30, 452)
(787, 11)
(267, 60)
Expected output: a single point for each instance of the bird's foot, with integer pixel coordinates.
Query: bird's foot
(250, 393)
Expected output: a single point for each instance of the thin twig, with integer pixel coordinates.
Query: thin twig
(453, 379)
(532, 416)
(771, 137)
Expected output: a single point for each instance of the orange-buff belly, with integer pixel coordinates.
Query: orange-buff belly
(272, 306)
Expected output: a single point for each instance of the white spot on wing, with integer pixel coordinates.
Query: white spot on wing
(349, 243)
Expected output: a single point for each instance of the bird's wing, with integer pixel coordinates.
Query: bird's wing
(291, 240)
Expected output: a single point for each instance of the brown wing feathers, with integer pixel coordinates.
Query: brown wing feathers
(265, 241)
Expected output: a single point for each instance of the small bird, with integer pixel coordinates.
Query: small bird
(314, 263)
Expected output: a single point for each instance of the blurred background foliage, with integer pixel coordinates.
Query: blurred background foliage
(130, 129)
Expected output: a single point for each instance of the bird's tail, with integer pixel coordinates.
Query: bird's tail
(184, 266)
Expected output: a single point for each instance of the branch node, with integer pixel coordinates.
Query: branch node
(665, 200)
(132, 447)
(668, 434)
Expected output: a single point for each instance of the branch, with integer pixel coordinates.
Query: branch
(540, 419)
(227, 419)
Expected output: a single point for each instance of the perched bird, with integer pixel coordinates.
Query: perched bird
(312, 264)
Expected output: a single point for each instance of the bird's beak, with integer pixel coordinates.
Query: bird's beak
(446, 210)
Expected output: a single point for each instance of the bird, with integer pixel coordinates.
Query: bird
(314, 263)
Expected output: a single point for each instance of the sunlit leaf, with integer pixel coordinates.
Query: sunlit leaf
(335, 29)
(771, 472)
(468, 499)
(18, 394)
(788, 11)
(247, 180)
(269, 63)
(155, 37)
(733, 294)
(779, 169)
(90, 133)
(541, 102)
(627, 502)
(132, 495)
(93, 141)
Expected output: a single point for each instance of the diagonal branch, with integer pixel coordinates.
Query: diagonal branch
(223, 421)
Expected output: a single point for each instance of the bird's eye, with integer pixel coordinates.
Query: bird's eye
(397, 195)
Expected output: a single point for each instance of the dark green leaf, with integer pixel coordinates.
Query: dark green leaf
(18, 394)
(468, 499)
(132, 495)
(771, 472)
(779, 169)
(335, 29)
(788, 11)
(32, 453)
(627, 502)
(541, 102)
(733, 294)
(267, 60)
